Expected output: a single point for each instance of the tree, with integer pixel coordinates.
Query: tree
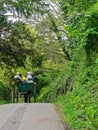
(15, 35)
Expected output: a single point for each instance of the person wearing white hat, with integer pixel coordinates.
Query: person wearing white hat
(17, 77)
(29, 77)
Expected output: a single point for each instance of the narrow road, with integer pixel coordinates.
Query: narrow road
(36, 116)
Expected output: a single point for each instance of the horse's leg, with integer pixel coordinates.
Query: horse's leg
(17, 96)
(29, 94)
(25, 97)
(34, 92)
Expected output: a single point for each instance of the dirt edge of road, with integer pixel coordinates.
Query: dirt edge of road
(62, 117)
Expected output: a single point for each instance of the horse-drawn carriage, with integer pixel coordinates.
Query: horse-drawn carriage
(25, 88)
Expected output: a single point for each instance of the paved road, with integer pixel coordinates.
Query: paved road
(39, 116)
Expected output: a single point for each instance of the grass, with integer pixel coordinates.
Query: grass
(3, 102)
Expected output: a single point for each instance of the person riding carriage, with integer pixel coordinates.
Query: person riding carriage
(25, 84)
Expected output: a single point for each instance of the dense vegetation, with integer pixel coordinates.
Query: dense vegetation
(75, 90)
(5, 94)
(61, 49)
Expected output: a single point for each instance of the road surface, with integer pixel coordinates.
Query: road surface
(34, 116)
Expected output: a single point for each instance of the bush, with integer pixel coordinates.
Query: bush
(5, 93)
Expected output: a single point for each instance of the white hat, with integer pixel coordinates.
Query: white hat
(29, 73)
(17, 73)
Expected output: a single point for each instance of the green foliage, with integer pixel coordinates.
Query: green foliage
(18, 45)
(68, 68)
(81, 104)
(81, 107)
(53, 89)
(20, 7)
(43, 82)
(5, 93)
(16, 38)
(75, 89)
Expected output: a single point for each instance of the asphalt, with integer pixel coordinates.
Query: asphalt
(30, 116)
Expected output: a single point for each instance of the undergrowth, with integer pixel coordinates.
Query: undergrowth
(76, 93)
